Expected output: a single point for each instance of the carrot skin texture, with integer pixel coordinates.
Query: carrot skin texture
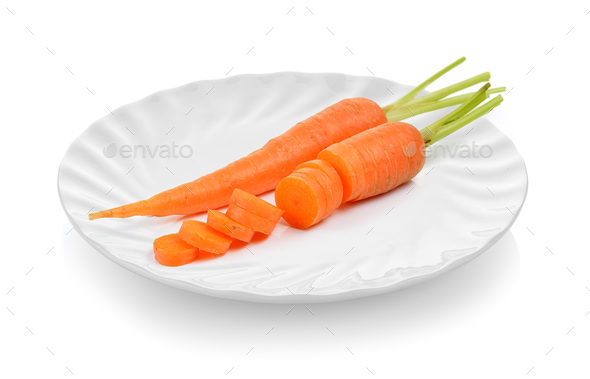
(370, 169)
(222, 223)
(204, 237)
(172, 251)
(255, 205)
(251, 220)
(261, 170)
(412, 147)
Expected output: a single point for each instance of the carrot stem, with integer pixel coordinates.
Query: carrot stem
(453, 126)
(414, 92)
(465, 108)
(444, 92)
(415, 109)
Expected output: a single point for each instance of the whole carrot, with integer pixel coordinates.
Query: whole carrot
(371, 163)
(261, 170)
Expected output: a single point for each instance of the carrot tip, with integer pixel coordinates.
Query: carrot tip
(97, 215)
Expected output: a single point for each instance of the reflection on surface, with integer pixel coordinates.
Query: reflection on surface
(446, 299)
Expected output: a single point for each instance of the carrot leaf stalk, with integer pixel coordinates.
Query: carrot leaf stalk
(444, 92)
(414, 92)
(465, 108)
(399, 114)
(404, 106)
(459, 122)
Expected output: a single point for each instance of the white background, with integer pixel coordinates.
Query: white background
(67, 310)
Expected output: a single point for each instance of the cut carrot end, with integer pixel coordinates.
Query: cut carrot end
(222, 223)
(204, 237)
(171, 250)
(326, 168)
(303, 200)
(325, 187)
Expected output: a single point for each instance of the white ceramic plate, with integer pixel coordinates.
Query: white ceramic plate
(455, 209)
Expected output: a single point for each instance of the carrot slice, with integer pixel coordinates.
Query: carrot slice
(204, 237)
(349, 166)
(250, 220)
(220, 222)
(303, 200)
(256, 205)
(324, 181)
(170, 250)
(327, 169)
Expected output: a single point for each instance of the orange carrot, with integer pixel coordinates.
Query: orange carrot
(204, 237)
(261, 170)
(255, 205)
(170, 250)
(386, 156)
(399, 136)
(250, 220)
(220, 222)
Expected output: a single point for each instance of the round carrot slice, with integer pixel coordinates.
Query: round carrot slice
(302, 199)
(204, 237)
(222, 223)
(170, 250)
(324, 181)
(327, 169)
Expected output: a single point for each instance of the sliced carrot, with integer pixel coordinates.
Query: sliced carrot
(204, 237)
(324, 181)
(256, 205)
(222, 223)
(250, 220)
(303, 200)
(170, 250)
(349, 166)
(327, 169)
